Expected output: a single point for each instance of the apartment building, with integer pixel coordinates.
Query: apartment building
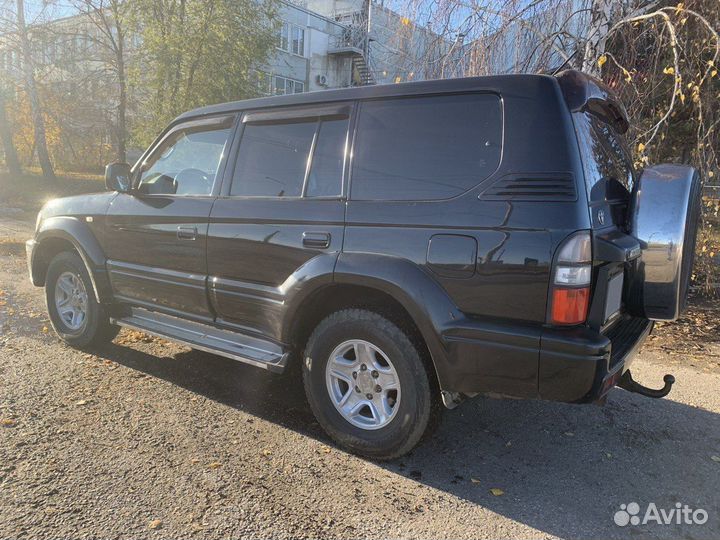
(320, 44)
(340, 43)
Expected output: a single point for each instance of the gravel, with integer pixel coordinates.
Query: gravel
(143, 438)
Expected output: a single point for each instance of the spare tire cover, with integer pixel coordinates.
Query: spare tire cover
(664, 217)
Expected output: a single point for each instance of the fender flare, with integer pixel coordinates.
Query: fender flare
(427, 303)
(311, 277)
(76, 232)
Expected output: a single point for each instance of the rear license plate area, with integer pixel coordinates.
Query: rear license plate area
(613, 300)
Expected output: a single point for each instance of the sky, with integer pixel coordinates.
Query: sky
(35, 11)
(42, 10)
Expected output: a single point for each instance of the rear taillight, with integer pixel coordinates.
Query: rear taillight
(571, 280)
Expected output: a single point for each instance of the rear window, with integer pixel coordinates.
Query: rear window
(425, 148)
(605, 157)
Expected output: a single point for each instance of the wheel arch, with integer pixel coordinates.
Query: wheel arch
(396, 288)
(58, 234)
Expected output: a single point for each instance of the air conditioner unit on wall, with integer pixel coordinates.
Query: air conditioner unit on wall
(322, 80)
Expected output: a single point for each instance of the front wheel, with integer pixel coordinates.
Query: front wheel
(367, 385)
(75, 315)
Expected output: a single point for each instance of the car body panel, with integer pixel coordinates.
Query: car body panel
(80, 221)
(148, 262)
(257, 260)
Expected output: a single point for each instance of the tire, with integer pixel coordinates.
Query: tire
(95, 327)
(355, 337)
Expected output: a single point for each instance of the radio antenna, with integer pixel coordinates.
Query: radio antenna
(565, 63)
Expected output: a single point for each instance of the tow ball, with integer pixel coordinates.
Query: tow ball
(626, 382)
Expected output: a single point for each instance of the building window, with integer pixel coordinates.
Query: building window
(269, 84)
(264, 82)
(298, 40)
(292, 39)
(283, 85)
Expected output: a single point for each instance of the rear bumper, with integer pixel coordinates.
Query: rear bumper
(582, 365)
(530, 361)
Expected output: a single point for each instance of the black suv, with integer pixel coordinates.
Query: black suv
(409, 244)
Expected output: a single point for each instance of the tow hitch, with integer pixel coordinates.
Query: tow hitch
(626, 382)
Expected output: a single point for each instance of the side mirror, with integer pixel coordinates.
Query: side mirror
(117, 176)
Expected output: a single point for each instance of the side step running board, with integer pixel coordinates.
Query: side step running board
(204, 337)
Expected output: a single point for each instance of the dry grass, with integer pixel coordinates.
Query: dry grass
(29, 191)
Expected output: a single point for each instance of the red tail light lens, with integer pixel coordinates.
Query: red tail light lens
(569, 306)
(571, 280)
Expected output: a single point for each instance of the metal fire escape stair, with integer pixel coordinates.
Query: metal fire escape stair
(354, 43)
(362, 71)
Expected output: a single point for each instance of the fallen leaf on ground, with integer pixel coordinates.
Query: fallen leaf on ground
(715, 458)
(45, 330)
(569, 434)
(215, 465)
(266, 453)
(8, 422)
(475, 480)
(155, 524)
(497, 492)
(81, 402)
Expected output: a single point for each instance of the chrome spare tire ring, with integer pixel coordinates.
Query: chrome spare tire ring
(363, 384)
(71, 301)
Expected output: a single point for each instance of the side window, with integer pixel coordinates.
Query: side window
(425, 148)
(186, 162)
(274, 159)
(325, 177)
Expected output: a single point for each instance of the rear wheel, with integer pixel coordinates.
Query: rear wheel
(367, 384)
(75, 315)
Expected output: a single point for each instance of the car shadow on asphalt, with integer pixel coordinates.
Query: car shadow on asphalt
(559, 468)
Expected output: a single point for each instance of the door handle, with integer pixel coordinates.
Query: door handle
(187, 233)
(319, 240)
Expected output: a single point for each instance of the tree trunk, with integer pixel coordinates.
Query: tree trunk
(122, 101)
(601, 13)
(177, 71)
(31, 88)
(11, 159)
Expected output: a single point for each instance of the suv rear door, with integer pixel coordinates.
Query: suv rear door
(283, 208)
(156, 235)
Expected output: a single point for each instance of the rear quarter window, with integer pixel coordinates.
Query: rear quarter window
(425, 148)
(605, 156)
